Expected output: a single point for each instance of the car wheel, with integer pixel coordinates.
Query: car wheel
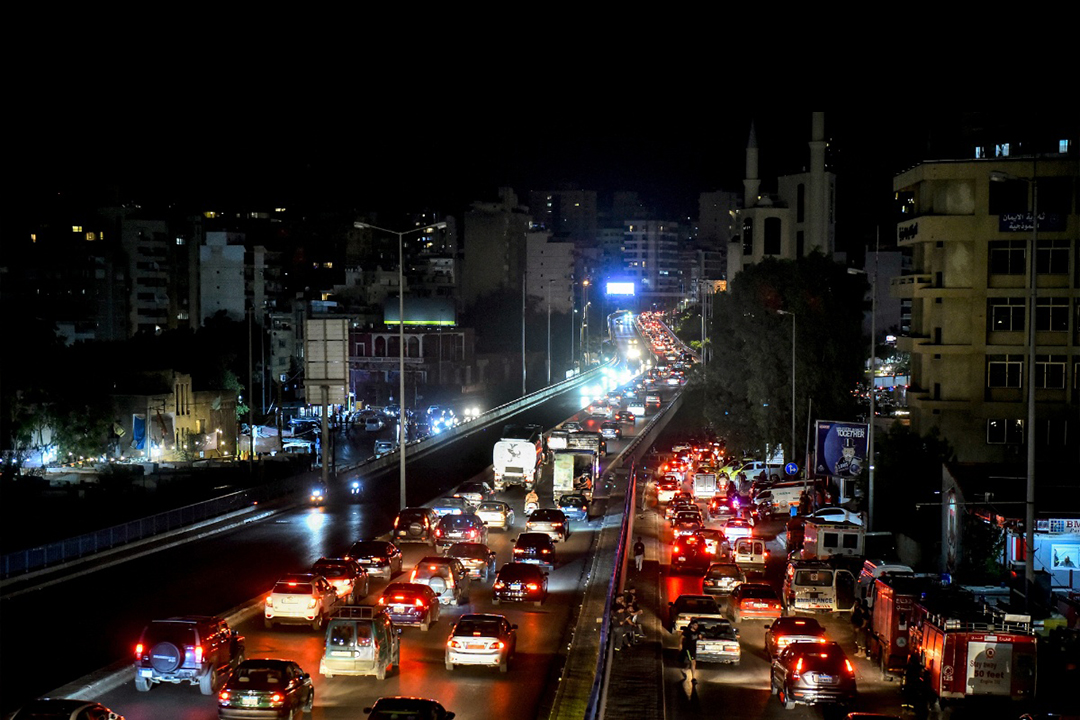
(773, 690)
(504, 666)
(539, 603)
(142, 684)
(738, 617)
(309, 704)
(449, 666)
(495, 601)
(425, 625)
(789, 704)
(206, 682)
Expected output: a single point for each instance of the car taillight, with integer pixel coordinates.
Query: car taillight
(412, 577)
(472, 533)
(269, 601)
(556, 524)
(382, 601)
(311, 603)
(847, 664)
(798, 669)
(418, 603)
(499, 585)
(198, 654)
(438, 532)
(224, 695)
(276, 699)
(500, 644)
(138, 651)
(533, 586)
(546, 551)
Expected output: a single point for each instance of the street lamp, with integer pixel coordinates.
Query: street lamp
(402, 435)
(1029, 506)
(788, 312)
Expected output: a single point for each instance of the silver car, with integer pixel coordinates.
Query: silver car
(550, 521)
(446, 576)
(496, 514)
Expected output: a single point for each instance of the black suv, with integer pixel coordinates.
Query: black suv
(813, 673)
(416, 524)
(195, 649)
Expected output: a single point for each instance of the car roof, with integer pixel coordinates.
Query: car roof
(516, 568)
(534, 537)
(405, 588)
(807, 624)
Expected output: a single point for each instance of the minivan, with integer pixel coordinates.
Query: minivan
(750, 553)
(814, 585)
(360, 640)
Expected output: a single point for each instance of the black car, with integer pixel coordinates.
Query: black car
(410, 604)
(519, 582)
(416, 525)
(266, 688)
(60, 709)
(407, 708)
(378, 557)
(459, 528)
(690, 553)
(535, 548)
(194, 649)
(813, 674)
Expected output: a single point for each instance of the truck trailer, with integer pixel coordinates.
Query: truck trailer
(518, 456)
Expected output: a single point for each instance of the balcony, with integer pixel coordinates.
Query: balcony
(935, 228)
(904, 287)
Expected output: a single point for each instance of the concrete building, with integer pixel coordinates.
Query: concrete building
(549, 272)
(569, 215)
(969, 238)
(221, 274)
(651, 257)
(798, 220)
(494, 246)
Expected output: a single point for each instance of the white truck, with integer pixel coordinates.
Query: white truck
(576, 470)
(824, 539)
(518, 456)
(705, 485)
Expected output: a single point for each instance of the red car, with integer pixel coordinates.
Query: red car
(757, 601)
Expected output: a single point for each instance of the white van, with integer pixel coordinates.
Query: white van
(750, 553)
(784, 495)
(816, 586)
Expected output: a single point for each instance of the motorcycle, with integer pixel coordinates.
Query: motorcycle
(531, 507)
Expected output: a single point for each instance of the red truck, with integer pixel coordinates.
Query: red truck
(965, 650)
(894, 599)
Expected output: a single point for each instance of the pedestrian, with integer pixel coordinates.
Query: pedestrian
(859, 621)
(639, 553)
(688, 651)
(618, 618)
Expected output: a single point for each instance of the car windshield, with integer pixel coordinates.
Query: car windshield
(547, 516)
(179, 634)
(427, 568)
(405, 709)
(814, 578)
(342, 634)
(495, 507)
(569, 501)
(714, 629)
(457, 522)
(697, 605)
(412, 515)
(450, 502)
(826, 662)
(292, 588)
(402, 590)
(258, 678)
(478, 628)
(331, 569)
(792, 626)
(758, 592)
(468, 550)
(518, 571)
(473, 488)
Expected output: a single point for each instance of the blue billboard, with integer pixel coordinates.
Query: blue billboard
(840, 448)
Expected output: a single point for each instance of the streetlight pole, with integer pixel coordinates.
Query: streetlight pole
(585, 325)
(788, 312)
(402, 434)
(549, 331)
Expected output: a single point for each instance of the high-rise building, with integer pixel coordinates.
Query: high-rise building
(569, 215)
(968, 226)
(494, 246)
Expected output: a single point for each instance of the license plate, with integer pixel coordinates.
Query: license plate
(399, 608)
(249, 701)
(475, 646)
(826, 678)
(364, 561)
(515, 586)
(146, 672)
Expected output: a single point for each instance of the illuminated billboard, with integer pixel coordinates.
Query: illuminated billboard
(421, 311)
(841, 448)
(620, 288)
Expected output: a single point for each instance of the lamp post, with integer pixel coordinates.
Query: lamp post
(788, 312)
(873, 387)
(402, 435)
(1029, 504)
(585, 323)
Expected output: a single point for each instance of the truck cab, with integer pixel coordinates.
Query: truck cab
(817, 586)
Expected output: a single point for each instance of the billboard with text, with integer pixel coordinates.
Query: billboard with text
(840, 448)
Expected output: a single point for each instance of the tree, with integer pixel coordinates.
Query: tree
(908, 472)
(748, 382)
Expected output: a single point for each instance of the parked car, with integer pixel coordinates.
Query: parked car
(489, 640)
(520, 582)
(813, 674)
(496, 514)
(416, 524)
(410, 604)
(402, 708)
(477, 559)
(550, 521)
(194, 649)
(444, 575)
(348, 577)
(301, 598)
(266, 688)
(378, 557)
(535, 548)
(360, 640)
(459, 528)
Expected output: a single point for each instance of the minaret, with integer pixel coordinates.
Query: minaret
(752, 183)
(817, 205)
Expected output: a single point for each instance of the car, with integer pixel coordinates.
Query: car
(302, 598)
(718, 641)
(360, 640)
(446, 576)
(550, 521)
(756, 601)
(722, 506)
(735, 528)
(687, 607)
(410, 603)
(535, 548)
(574, 506)
(477, 558)
(687, 513)
(454, 505)
(666, 489)
(787, 630)
(813, 674)
(520, 582)
(266, 688)
(496, 513)
(625, 416)
(750, 553)
(415, 524)
(195, 649)
(571, 426)
(384, 447)
(373, 423)
(836, 514)
(481, 639)
(611, 430)
(459, 528)
(722, 578)
(601, 410)
(689, 526)
(715, 543)
(348, 577)
(62, 709)
(378, 557)
(407, 708)
(318, 494)
(476, 492)
(678, 505)
(690, 553)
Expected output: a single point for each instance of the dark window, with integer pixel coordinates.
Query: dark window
(1007, 257)
(1005, 314)
(1050, 371)
(1052, 257)
(772, 236)
(1010, 196)
(800, 207)
(1052, 314)
(1004, 371)
(1001, 431)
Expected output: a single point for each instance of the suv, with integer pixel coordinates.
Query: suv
(195, 649)
(446, 576)
(812, 674)
(300, 598)
(416, 524)
(349, 578)
(550, 521)
(460, 528)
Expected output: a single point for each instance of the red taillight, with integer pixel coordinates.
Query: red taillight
(500, 644)
(138, 651)
(798, 668)
(533, 586)
(269, 601)
(418, 603)
(472, 533)
(545, 551)
(382, 601)
(198, 654)
(223, 695)
(438, 532)
(276, 698)
(847, 664)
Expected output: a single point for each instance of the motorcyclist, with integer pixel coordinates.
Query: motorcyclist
(532, 502)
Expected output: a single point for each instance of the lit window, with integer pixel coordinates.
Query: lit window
(1001, 150)
(1063, 146)
(1006, 314)
(76, 228)
(181, 241)
(1001, 431)
(980, 152)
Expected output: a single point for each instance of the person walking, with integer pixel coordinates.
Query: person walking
(859, 621)
(688, 651)
(639, 553)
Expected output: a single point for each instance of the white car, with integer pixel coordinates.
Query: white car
(300, 598)
(488, 640)
(496, 514)
(735, 528)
